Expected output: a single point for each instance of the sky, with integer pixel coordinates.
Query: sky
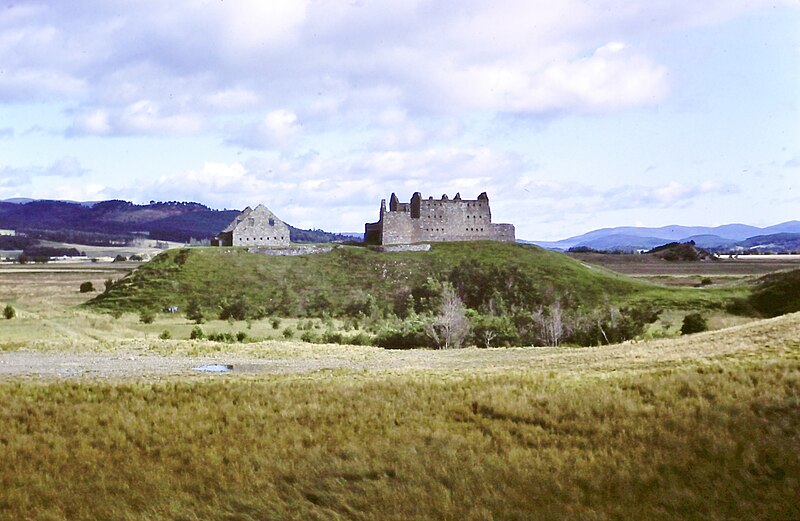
(572, 114)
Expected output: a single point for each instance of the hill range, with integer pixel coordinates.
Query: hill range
(116, 220)
(784, 237)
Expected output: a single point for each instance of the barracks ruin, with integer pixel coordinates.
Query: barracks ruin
(418, 221)
(259, 227)
(436, 220)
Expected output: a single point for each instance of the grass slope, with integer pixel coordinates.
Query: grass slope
(705, 427)
(347, 276)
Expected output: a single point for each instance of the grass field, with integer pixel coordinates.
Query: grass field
(698, 427)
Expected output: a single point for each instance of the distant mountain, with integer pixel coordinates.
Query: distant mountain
(110, 222)
(717, 238)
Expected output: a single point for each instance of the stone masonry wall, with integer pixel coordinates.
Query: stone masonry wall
(437, 220)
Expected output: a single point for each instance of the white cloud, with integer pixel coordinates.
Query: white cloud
(143, 117)
(205, 57)
(65, 167)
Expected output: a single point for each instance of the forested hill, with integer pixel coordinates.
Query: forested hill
(107, 221)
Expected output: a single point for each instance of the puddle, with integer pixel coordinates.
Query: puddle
(214, 368)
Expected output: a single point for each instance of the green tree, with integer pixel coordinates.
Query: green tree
(194, 312)
(9, 312)
(694, 323)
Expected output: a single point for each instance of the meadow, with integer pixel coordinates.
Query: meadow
(705, 426)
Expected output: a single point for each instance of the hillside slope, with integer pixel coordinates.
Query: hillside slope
(351, 279)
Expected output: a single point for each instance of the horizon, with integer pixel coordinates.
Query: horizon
(572, 117)
(25, 200)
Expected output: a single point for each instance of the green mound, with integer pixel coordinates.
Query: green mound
(349, 280)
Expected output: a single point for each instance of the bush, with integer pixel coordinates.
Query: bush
(195, 313)
(197, 333)
(288, 333)
(693, 323)
(241, 336)
(276, 323)
(86, 287)
(147, 316)
(9, 312)
(310, 337)
(120, 258)
(706, 281)
(165, 335)
(221, 337)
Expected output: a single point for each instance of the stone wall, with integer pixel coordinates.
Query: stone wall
(258, 227)
(436, 220)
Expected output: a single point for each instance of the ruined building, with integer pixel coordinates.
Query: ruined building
(258, 227)
(436, 220)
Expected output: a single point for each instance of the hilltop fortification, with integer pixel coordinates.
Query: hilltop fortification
(436, 220)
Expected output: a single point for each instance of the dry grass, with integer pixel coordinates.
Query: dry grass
(704, 427)
(699, 427)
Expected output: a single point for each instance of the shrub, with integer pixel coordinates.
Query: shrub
(288, 333)
(165, 335)
(197, 333)
(147, 316)
(361, 339)
(9, 312)
(276, 323)
(706, 281)
(221, 337)
(693, 323)
(241, 336)
(194, 312)
(310, 337)
(86, 287)
(120, 258)
(333, 337)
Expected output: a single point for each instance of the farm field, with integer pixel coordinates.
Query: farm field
(690, 273)
(101, 419)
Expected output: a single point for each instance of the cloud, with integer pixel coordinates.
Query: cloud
(793, 162)
(164, 69)
(64, 167)
(277, 129)
(6, 133)
(13, 177)
(143, 117)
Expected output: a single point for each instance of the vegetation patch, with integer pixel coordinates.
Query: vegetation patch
(508, 294)
(711, 440)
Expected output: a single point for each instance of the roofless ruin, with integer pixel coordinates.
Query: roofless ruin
(436, 220)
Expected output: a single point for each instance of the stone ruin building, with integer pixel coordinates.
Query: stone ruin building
(436, 220)
(258, 227)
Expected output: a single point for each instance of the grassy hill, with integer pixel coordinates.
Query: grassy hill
(349, 280)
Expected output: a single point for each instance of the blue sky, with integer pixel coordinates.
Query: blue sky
(572, 115)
